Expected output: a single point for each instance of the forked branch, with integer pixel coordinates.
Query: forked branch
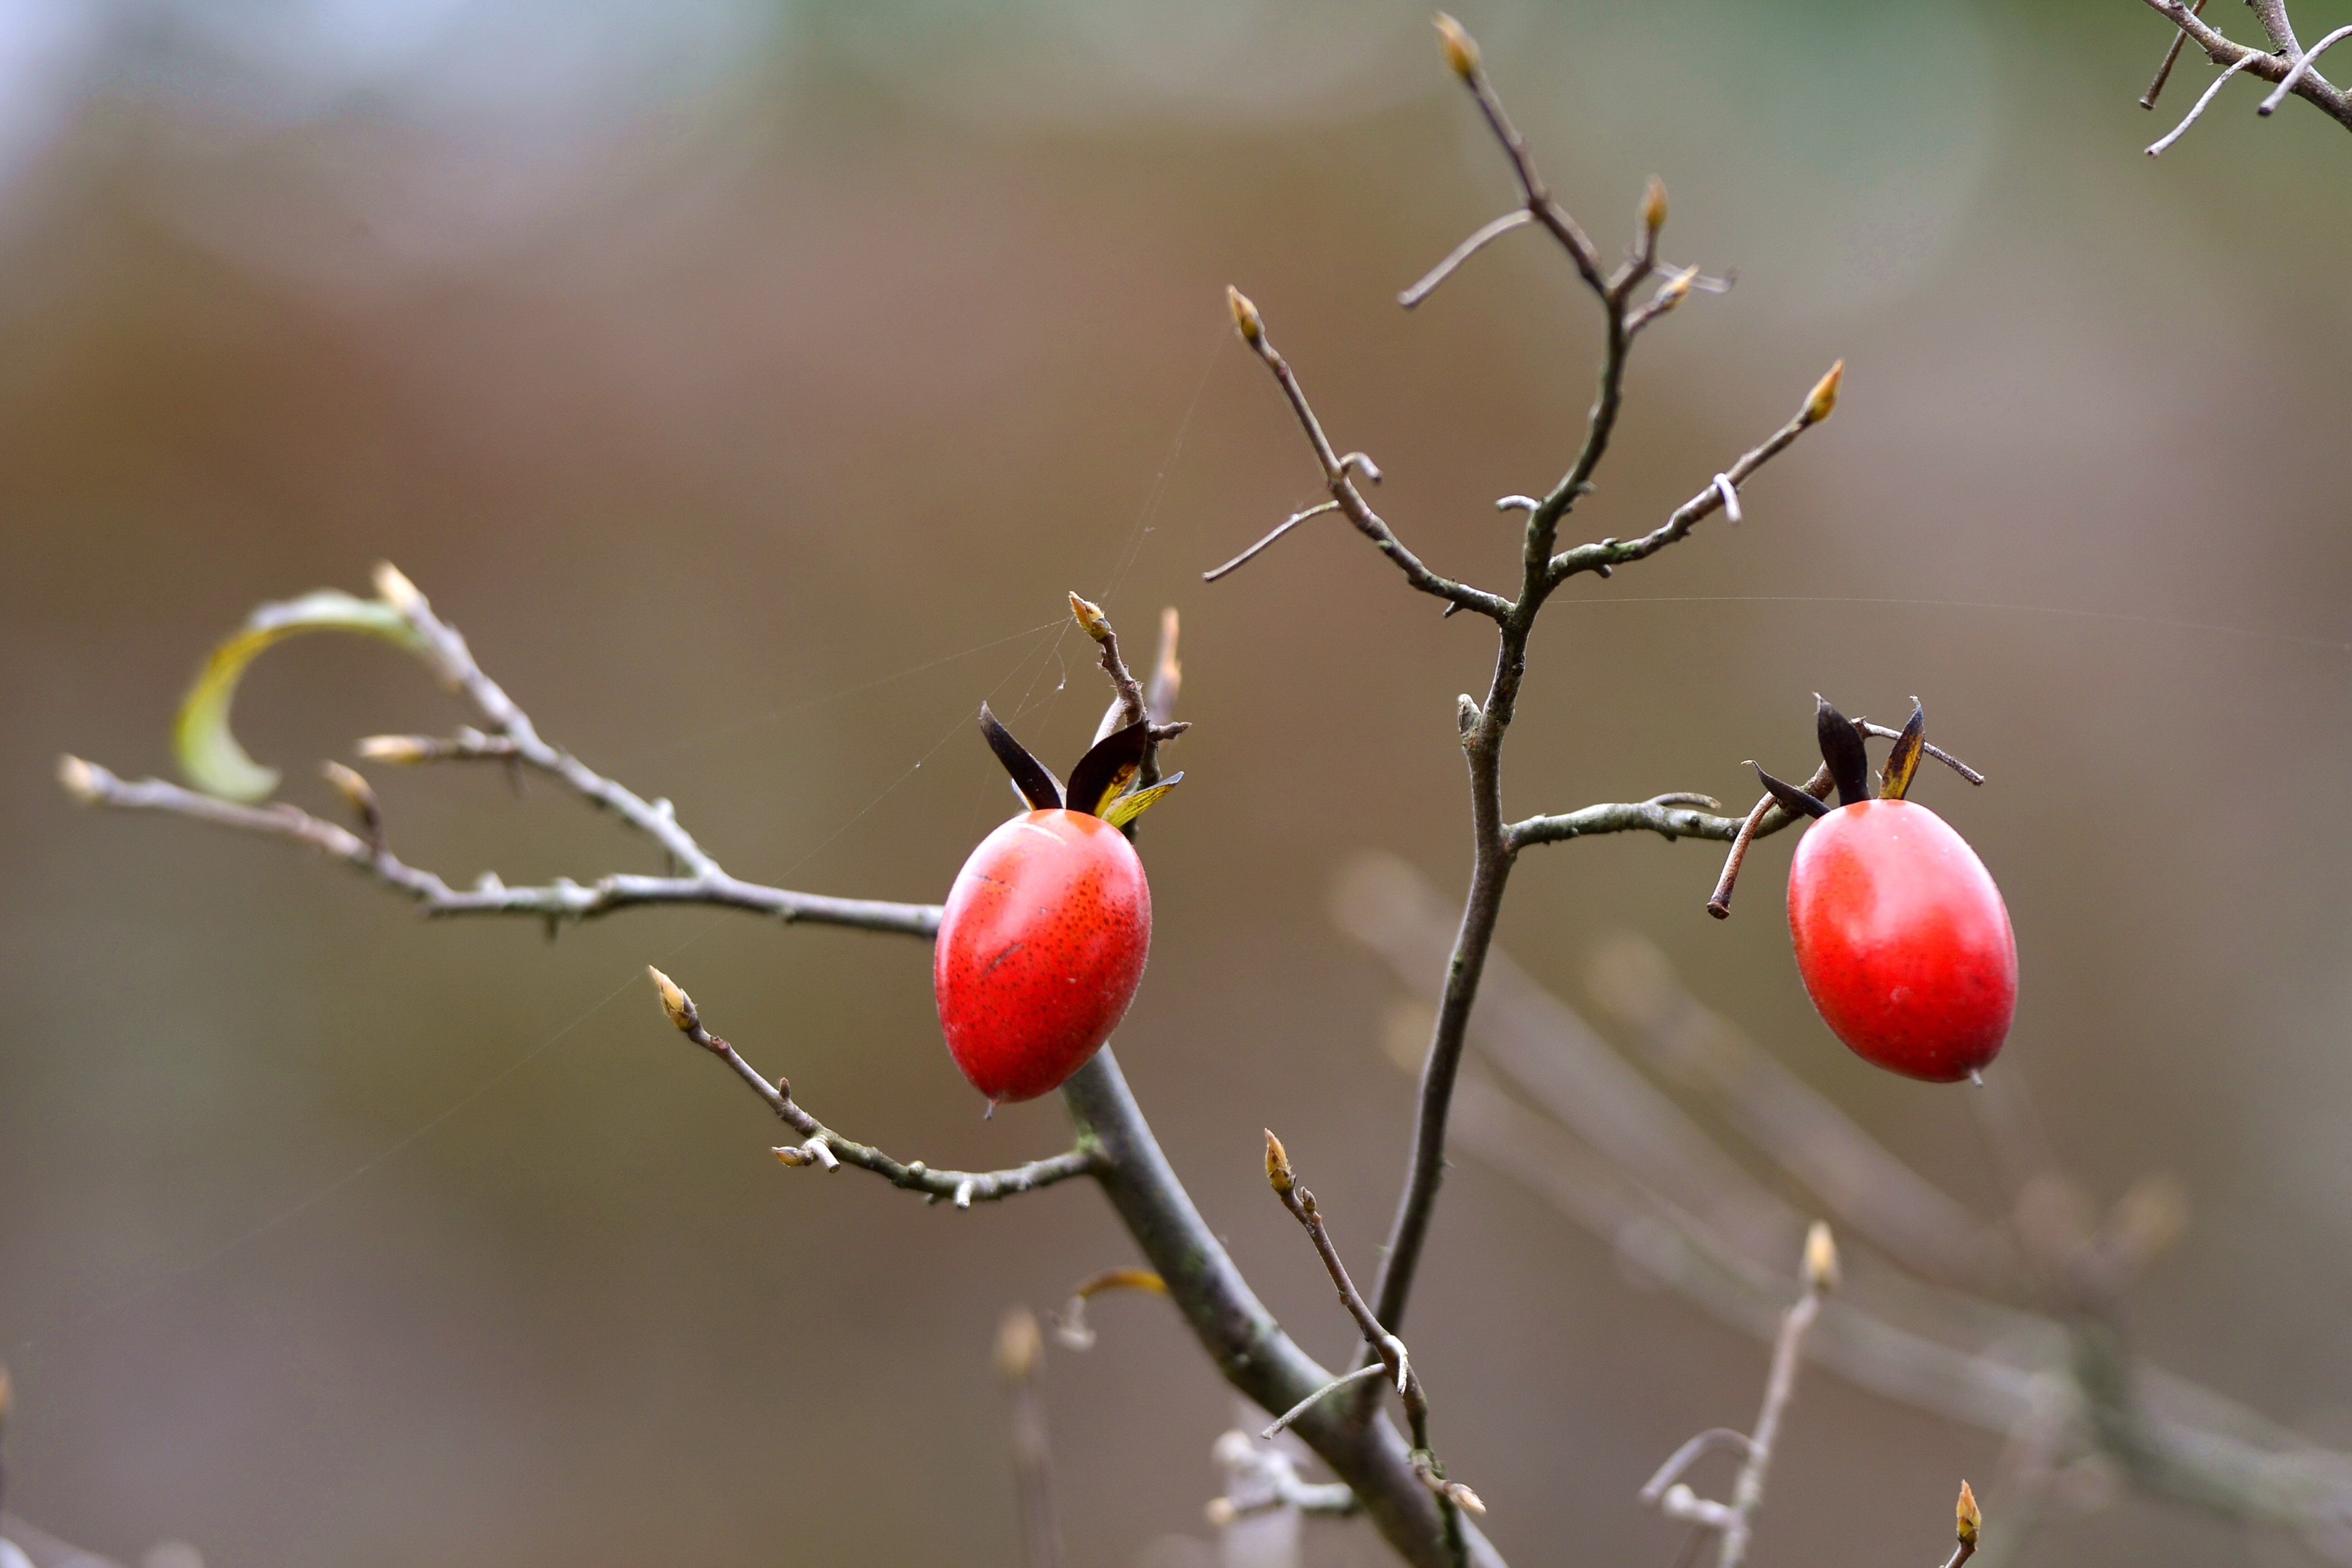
(1733, 1522)
(2289, 69)
(696, 877)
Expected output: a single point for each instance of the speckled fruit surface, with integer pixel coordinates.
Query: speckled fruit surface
(1040, 950)
(1902, 939)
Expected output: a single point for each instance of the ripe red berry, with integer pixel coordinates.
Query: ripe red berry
(1044, 939)
(1901, 936)
(1903, 940)
(1040, 950)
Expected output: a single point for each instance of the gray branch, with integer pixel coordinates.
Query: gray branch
(823, 1146)
(2313, 87)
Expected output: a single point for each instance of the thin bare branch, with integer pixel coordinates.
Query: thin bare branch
(2223, 51)
(1461, 253)
(2300, 69)
(1663, 816)
(1395, 1362)
(559, 900)
(1682, 1458)
(825, 1147)
(511, 737)
(1611, 553)
(1283, 1421)
(1340, 474)
(2157, 147)
(1280, 528)
(1735, 1520)
(2171, 55)
(1462, 56)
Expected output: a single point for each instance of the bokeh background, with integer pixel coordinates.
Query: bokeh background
(749, 380)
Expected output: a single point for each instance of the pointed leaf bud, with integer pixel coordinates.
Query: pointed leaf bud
(1463, 1497)
(1971, 1521)
(1820, 1259)
(791, 1155)
(1277, 1164)
(1653, 206)
(1461, 49)
(678, 1008)
(1247, 320)
(1089, 617)
(1673, 291)
(80, 779)
(391, 586)
(1821, 401)
(355, 789)
(1019, 1346)
(401, 750)
(1466, 714)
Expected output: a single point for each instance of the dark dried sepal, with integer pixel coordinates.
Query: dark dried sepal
(1841, 748)
(1110, 766)
(1030, 776)
(1793, 800)
(1903, 762)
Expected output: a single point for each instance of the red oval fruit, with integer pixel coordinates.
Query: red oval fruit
(1903, 940)
(1040, 950)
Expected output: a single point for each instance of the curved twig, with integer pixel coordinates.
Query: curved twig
(1461, 253)
(2301, 68)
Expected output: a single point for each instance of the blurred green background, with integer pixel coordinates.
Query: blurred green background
(749, 383)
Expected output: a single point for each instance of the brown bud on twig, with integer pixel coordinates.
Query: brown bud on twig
(1674, 290)
(1821, 1259)
(79, 779)
(402, 750)
(391, 586)
(1247, 320)
(354, 788)
(1653, 206)
(1019, 1346)
(1461, 49)
(1821, 401)
(678, 1008)
(1089, 617)
(1970, 1520)
(1277, 1164)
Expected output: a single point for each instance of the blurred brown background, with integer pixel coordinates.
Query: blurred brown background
(749, 381)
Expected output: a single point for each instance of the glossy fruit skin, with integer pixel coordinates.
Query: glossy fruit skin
(1040, 950)
(1903, 940)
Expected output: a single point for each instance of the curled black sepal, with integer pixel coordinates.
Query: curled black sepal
(1793, 800)
(1029, 775)
(1841, 748)
(1108, 767)
(1903, 762)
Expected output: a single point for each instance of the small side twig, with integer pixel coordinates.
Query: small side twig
(1280, 528)
(1340, 474)
(2157, 147)
(2171, 54)
(1394, 1363)
(2301, 68)
(823, 1146)
(1608, 554)
(1735, 1520)
(1461, 253)
(513, 739)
